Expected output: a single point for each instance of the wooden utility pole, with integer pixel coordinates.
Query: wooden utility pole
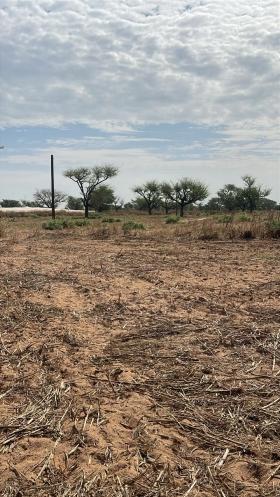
(52, 188)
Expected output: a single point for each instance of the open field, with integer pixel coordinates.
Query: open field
(139, 364)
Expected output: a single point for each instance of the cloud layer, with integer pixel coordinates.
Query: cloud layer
(161, 88)
(110, 63)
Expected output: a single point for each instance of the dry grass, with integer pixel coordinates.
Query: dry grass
(3, 228)
(140, 364)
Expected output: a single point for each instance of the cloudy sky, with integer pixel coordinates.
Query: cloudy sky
(161, 89)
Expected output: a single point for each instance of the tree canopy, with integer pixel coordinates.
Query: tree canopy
(88, 179)
(43, 198)
(248, 197)
(102, 198)
(10, 203)
(185, 192)
(150, 192)
(74, 203)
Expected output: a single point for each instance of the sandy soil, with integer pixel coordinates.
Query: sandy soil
(131, 368)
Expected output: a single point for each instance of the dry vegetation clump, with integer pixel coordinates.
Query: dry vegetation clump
(139, 365)
(3, 228)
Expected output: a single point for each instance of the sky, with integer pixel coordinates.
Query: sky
(160, 89)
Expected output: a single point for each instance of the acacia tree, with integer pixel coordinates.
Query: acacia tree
(166, 198)
(213, 205)
(88, 179)
(230, 197)
(43, 198)
(10, 203)
(150, 192)
(102, 198)
(252, 193)
(185, 192)
(249, 197)
(74, 203)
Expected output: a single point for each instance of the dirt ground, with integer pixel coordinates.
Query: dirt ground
(135, 367)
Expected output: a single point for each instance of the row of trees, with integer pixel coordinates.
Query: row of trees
(94, 194)
(104, 198)
(179, 195)
(249, 197)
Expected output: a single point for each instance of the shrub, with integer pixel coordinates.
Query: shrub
(93, 215)
(101, 232)
(243, 218)
(111, 220)
(3, 229)
(60, 224)
(210, 235)
(132, 226)
(273, 228)
(172, 219)
(225, 219)
(55, 224)
(79, 222)
(208, 232)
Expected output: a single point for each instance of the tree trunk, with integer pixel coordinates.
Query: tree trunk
(150, 210)
(86, 210)
(176, 208)
(181, 210)
(166, 209)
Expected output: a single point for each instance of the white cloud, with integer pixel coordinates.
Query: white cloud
(134, 61)
(112, 64)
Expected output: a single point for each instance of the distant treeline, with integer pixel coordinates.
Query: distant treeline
(152, 196)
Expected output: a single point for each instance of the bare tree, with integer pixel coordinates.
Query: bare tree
(43, 198)
(88, 180)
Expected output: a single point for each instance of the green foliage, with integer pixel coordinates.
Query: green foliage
(94, 215)
(60, 224)
(55, 224)
(150, 193)
(273, 228)
(172, 220)
(29, 203)
(132, 226)
(225, 219)
(138, 204)
(10, 203)
(229, 197)
(166, 197)
(213, 205)
(249, 197)
(243, 218)
(88, 179)
(185, 192)
(74, 203)
(79, 222)
(252, 193)
(267, 204)
(102, 198)
(111, 220)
